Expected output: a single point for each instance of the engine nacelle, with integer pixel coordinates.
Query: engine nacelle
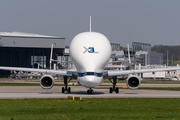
(133, 82)
(46, 82)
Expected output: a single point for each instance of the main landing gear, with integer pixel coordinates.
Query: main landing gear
(66, 88)
(90, 91)
(114, 88)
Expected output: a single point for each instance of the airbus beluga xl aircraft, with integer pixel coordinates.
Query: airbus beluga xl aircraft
(90, 52)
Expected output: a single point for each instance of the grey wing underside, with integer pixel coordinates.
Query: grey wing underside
(57, 72)
(125, 72)
(108, 73)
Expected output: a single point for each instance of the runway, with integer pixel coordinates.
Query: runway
(20, 92)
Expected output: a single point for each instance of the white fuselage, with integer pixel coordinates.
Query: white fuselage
(90, 52)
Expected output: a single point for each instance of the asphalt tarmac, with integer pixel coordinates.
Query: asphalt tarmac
(20, 92)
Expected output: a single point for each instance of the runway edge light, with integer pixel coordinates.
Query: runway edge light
(125, 87)
(70, 97)
(74, 98)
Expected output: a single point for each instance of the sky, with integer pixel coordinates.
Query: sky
(156, 22)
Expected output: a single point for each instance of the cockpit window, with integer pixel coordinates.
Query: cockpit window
(89, 74)
(81, 74)
(99, 74)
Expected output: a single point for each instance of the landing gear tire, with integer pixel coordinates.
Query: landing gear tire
(117, 90)
(90, 91)
(110, 90)
(69, 90)
(62, 89)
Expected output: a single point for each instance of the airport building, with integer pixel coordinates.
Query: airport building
(28, 50)
(140, 53)
(145, 56)
(115, 46)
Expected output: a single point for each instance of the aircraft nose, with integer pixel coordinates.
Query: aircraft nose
(92, 81)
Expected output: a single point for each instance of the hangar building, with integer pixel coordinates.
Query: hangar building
(28, 50)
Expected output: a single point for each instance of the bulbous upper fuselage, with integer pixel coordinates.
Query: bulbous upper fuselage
(90, 52)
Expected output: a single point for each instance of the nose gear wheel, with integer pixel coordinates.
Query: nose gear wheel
(90, 91)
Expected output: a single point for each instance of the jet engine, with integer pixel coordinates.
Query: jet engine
(133, 82)
(46, 82)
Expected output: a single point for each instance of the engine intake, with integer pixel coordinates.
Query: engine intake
(133, 82)
(46, 82)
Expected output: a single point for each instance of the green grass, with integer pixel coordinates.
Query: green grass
(160, 82)
(161, 88)
(19, 84)
(149, 88)
(118, 81)
(29, 84)
(36, 84)
(89, 109)
(148, 82)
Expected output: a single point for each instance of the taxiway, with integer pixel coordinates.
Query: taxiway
(20, 92)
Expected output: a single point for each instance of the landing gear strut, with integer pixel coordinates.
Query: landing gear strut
(66, 88)
(114, 88)
(90, 91)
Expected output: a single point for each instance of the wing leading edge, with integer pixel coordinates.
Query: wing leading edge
(125, 72)
(57, 72)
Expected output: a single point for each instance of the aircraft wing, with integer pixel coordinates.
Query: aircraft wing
(125, 72)
(57, 72)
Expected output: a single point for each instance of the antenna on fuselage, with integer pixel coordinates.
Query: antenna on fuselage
(90, 24)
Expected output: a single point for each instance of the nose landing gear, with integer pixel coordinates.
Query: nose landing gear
(90, 91)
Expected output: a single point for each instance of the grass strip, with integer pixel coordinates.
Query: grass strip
(19, 84)
(89, 109)
(36, 84)
(161, 88)
(148, 82)
(149, 88)
(29, 84)
(160, 82)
